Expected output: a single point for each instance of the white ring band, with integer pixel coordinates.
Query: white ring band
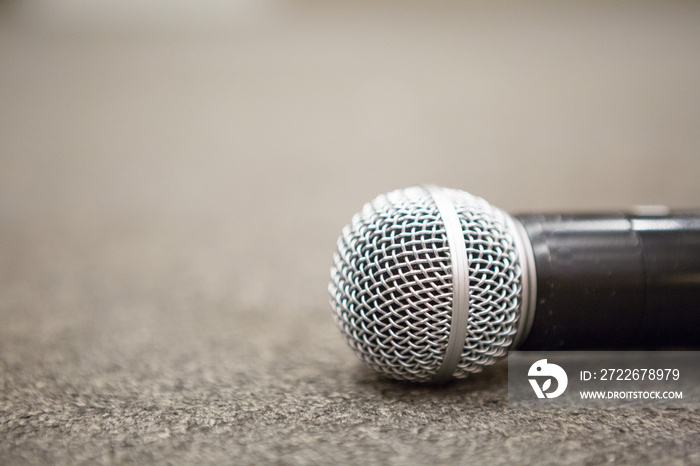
(526, 256)
(460, 284)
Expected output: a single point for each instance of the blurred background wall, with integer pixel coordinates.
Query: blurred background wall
(216, 149)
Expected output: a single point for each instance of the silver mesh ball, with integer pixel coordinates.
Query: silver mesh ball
(391, 284)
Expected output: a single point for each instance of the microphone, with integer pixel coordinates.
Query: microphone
(430, 283)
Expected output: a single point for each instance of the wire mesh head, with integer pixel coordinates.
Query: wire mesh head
(391, 284)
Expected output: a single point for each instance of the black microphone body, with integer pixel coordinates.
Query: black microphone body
(615, 281)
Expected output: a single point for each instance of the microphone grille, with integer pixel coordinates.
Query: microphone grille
(391, 284)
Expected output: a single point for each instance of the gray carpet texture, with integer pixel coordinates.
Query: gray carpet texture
(173, 178)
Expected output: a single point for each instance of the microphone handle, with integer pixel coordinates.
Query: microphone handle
(615, 281)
